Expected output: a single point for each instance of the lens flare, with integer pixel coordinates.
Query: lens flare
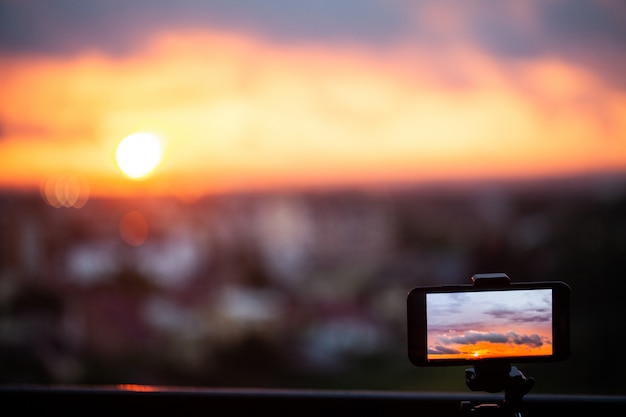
(65, 190)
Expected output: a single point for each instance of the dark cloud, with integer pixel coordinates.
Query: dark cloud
(441, 350)
(545, 27)
(67, 26)
(473, 337)
(589, 34)
(536, 315)
(529, 340)
(582, 21)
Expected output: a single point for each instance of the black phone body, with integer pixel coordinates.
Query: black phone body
(466, 324)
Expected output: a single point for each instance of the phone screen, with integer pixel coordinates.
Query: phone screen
(489, 324)
(462, 324)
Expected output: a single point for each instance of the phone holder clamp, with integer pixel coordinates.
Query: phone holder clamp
(494, 375)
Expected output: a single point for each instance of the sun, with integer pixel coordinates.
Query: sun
(138, 154)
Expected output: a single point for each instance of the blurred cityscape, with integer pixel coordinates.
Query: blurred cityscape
(297, 289)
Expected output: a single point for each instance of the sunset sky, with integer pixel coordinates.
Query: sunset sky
(489, 324)
(261, 94)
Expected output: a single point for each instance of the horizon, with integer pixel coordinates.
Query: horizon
(600, 185)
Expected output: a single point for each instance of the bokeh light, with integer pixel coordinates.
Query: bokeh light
(65, 190)
(134, 228)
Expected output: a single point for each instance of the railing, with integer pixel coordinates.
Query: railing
(154, 401)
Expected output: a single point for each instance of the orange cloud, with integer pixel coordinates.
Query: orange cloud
(234, 112)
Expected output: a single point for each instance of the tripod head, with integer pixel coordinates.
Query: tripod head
(496, 375)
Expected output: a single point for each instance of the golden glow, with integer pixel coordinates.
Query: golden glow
(242, 114)
(494, 350)
(137, 388)
(137, 155)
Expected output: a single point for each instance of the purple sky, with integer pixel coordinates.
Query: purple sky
(588, 34)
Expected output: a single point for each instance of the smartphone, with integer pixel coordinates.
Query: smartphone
(463, 324)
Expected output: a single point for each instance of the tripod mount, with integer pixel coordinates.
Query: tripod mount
(494, 375)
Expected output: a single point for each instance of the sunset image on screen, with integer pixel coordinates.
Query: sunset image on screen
(489, 324)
